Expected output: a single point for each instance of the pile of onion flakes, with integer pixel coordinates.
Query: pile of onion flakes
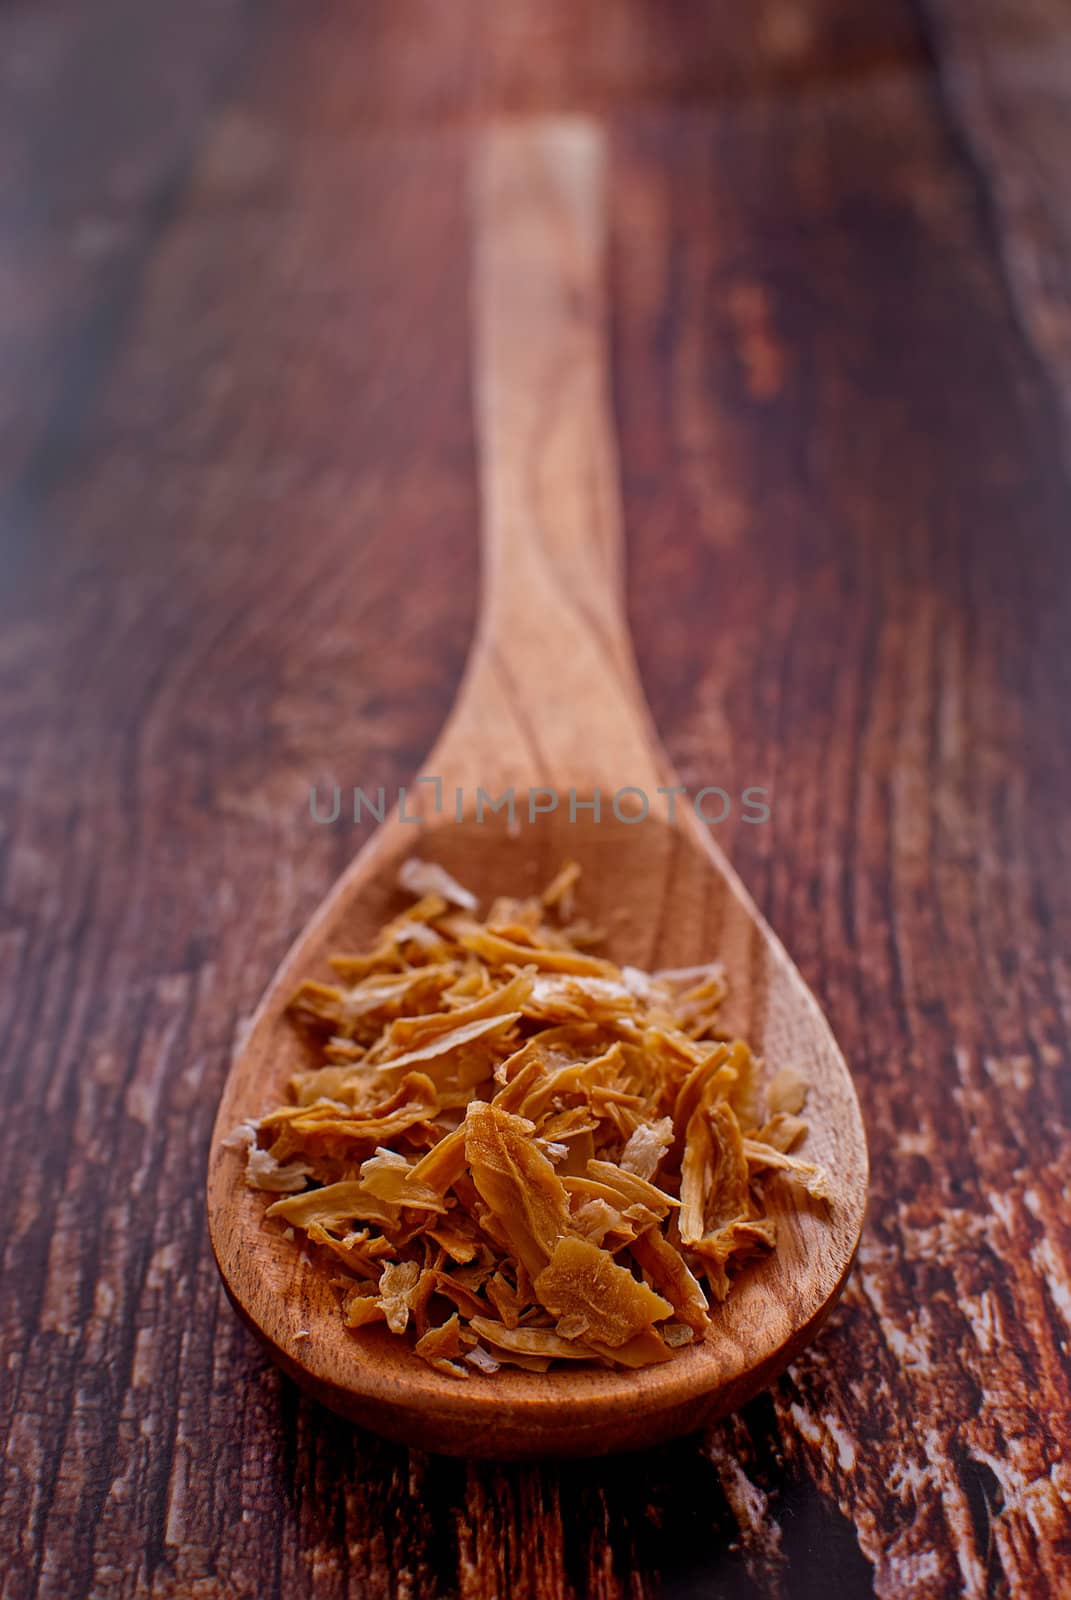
(515, 1151)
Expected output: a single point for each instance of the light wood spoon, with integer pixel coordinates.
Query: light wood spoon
(551, 701)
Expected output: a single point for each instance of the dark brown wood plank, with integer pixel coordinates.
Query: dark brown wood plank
(829, 427)
(224, 601)
(1004, 72)
(94, 160)
(412, 62)
(240, 557)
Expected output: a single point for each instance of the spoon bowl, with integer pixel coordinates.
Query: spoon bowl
(664, 901)
(551, 704)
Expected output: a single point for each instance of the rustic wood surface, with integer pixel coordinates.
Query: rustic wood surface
(238, 556)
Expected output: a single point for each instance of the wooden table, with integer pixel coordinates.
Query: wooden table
(239, 514)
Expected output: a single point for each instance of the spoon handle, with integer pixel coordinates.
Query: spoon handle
(551, 695)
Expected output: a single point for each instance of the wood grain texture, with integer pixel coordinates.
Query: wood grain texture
(1003, 79)
(244, 561)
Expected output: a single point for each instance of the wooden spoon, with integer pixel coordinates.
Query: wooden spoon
(551, 701)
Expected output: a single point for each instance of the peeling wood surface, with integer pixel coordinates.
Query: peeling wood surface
(238, 552)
